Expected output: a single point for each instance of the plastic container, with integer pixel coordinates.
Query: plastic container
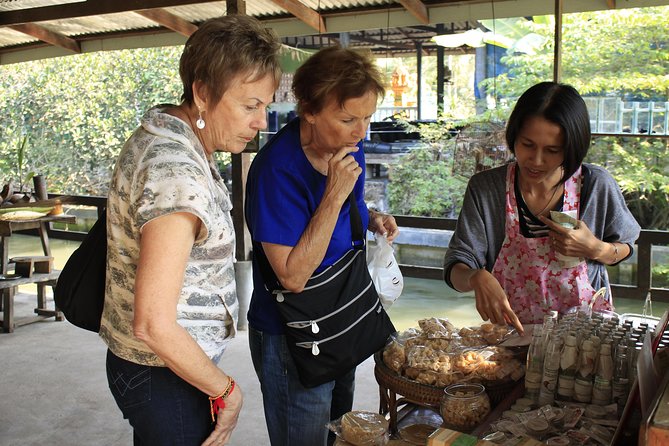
(464, 406)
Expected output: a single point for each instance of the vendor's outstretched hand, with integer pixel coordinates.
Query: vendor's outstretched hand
(491, 300)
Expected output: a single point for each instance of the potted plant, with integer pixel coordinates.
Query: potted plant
(11, 193)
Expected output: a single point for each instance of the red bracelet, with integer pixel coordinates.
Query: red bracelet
(218, 402)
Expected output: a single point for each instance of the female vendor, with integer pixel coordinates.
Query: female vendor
(505, 246)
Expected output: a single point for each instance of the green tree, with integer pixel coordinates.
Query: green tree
(79, 110)
(640, 167)
(423, 184)
(624, 54)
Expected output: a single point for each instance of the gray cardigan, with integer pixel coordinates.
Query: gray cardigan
(479, 232)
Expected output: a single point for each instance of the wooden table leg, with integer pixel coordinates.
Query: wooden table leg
(8, 309)
(383, 400)
(4, 260)
(44, 238)
(392, 410)
(42, 309)
(4, 254)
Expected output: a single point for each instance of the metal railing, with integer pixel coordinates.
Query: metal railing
(642, 274)
(407, 113)
(615, 116)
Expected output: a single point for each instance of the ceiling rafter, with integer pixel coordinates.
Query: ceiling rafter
(309, 16)
(381, 42)
(418, 9)
(169, 21)
(48, 36)
(89, 8)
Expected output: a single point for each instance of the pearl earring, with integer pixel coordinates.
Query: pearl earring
(200, 122)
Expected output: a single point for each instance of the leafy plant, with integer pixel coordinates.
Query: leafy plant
(23, 177)
(422, 183)
(641, 168)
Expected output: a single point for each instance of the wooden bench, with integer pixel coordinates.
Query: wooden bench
(9, 288)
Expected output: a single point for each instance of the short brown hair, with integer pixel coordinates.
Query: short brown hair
(224, 48)
(335, 72)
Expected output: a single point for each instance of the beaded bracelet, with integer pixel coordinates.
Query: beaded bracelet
(218, 402)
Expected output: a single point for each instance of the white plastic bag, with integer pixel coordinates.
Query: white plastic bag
(385, 271)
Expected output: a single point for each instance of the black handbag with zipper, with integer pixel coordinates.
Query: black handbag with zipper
(80, 290)
(337, 321)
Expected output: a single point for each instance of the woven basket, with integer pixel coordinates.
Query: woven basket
(426, 394)
(411, 390)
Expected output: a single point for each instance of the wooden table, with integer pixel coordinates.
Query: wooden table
(8, 227)
(8, 287)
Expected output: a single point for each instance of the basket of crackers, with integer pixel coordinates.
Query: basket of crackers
(420, 362)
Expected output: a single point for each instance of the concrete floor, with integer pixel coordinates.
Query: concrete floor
(53, 387)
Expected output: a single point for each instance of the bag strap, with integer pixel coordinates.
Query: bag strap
(358, 242)
(358, 238)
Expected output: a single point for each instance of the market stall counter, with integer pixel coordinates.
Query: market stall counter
(577, 385)
(460, 373)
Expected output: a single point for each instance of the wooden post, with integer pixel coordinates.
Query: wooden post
(440, 73)
(235, 7)
(240, 170)
(39, 182)
(557, 57)
(419, 77)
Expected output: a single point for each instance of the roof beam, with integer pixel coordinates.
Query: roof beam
(418, 9)
(45, 35)
(88, 8)
(169, 21)
(381, 42)
(304, 13)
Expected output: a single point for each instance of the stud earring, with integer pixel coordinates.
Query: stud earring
(200, 122)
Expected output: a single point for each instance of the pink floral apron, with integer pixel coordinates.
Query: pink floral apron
(528, 269)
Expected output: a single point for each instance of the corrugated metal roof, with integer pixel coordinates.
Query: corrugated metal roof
(381, 25)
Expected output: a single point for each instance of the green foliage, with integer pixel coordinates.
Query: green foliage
(660, 276)
(78, 111)
(431, 181)
(625, 54)
(641, 167)
(423, 184)
(603, 52)
(22, 176)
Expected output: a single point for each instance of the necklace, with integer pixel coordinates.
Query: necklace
(555, 189)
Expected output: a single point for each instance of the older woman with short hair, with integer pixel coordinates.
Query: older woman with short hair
(170, 301)
(298, 214)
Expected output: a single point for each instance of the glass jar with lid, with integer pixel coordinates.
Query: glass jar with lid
(464, 406)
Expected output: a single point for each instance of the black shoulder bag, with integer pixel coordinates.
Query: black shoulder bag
(337, 321)
(80, 290)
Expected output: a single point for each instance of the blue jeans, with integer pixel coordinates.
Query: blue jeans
(162, 408)
(296, 415)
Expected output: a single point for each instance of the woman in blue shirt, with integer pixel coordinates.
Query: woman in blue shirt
(298, 214)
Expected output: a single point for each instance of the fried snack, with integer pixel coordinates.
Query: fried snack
(437, 328)
(362, 428)
(394, 356)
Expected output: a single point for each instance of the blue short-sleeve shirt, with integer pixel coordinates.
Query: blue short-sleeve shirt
(282, 194)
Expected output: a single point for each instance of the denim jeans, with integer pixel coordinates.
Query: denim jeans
(296, 415)
(162, 408)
